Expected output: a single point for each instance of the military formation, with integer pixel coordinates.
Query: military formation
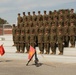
(47, 31)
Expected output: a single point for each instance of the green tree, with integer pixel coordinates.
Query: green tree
(2, 21)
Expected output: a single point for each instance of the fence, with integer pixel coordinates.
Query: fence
(5, 29)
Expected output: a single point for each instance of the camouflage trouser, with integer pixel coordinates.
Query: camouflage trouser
(60, 47)
(72, 40)
(22, 46)
(41, 47)
(36, 40)
(66, 41)
(46, 47)
(53, 47)
(17, 46)
(14, 39)
(27, 47)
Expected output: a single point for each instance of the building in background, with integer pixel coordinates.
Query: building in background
(5, 29)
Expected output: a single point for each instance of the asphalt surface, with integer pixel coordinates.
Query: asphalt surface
(15, 64)
(18, 67)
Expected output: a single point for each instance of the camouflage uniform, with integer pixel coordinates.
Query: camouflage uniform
(24, 18)
(61, 14)
(40, 42)
(45, 16)
(72, 16)
(37, 32)
(59, 28)
(18, 29)
(46, 42)
(66, 15)
(61, 21)
(39, 16)
(19, 19)
(60, 40)
(45, 22)
(22, 39)
(72, 30)
(29, 17)
(53, 29)
(47, 28)
(67, 21)
(53, 38)
(27, 40)
(22, 42)
(55, 14)
(31, 26)
(17, 39)
(55, 21)
(40, 39)
(26, 23)
(50, 15)
(14, 33)
(23, 30)
(50, 18)
(27, 28)
(50, 21)
(34, 17)
(32, 39)
(30, 23)
(39, 19)
(27, 35)
(66, 34)
(42, 28)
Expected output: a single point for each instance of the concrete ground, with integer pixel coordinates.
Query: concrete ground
(12, 63)
(18, 67)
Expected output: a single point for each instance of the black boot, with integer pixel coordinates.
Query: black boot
(36, 62)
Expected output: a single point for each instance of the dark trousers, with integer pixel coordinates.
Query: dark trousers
(60, 47)
(53, 47)
(36, 59)
(72, 40)
(22, 46)
(36, 40)
(66, 41)
(27, 47)
(18, 46)
(14, 39)
(41, 47)
(46, 47)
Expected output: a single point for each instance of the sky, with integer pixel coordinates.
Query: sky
(10, 8)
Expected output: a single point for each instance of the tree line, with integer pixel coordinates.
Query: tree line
(3, 21)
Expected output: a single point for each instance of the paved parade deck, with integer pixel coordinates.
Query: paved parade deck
(69, 55)
(12, 63)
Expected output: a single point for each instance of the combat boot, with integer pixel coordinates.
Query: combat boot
(17, 51)
(14, 45)
(71, 46)
(36, 62)
(45, 52)
(21, 51)
(61, 53)
(27, 52)
(53, 53)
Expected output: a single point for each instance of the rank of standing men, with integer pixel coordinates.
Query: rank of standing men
(46, 31)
